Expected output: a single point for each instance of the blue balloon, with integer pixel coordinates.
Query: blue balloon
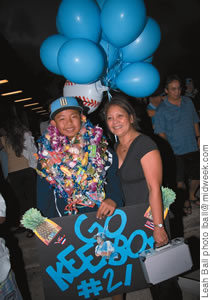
(149, 59)
(125, 64)
(100, 3)
(79, 19)
(145, 45)
(112, 53)
(138, 79)
(49, 52)
(123, 20)
(81, 61)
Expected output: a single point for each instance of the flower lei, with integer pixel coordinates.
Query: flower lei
(75, 168)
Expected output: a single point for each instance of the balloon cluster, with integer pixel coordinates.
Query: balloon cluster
(108, 40)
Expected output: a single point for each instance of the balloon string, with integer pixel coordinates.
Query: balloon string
(109, 95)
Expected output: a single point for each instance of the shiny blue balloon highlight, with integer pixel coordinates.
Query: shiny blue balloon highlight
(79, 19)
(49, 52)
(145, 45)
(138, 80)
(122, 21)
(81, 61)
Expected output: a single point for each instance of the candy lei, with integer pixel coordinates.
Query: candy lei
(75, 168)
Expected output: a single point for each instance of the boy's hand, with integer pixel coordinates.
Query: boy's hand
(106, 209)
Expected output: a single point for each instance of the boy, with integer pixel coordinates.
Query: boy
(75, 162)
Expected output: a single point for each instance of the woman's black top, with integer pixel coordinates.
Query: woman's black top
(131, 173)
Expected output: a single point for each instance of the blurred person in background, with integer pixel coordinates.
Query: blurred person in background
(19, 145)
(193, 93)
(154, 102)
(8, 285)
(177, 121)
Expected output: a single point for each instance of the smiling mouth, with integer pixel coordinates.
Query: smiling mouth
(69, 129)
(117, 127)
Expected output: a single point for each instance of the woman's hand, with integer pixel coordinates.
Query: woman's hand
(160, 236)
(106, 208)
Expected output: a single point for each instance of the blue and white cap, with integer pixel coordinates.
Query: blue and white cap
(63, 103)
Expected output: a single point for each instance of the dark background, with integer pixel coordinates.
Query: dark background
(25, 24)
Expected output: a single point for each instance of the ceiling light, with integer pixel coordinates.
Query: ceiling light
(3, 81)
(20, 100)
(40, 111)
(26, 105)
(11, 93)
(35, 108)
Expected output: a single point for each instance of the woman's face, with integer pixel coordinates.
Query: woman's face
(68, 122)
(118, 120)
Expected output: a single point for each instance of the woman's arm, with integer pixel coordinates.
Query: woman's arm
(197, 133)
(152, 167)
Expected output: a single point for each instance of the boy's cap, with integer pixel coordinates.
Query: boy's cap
(63, 103)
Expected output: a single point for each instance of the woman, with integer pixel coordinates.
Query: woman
(19, 146)
(139, 162)
(140, 172)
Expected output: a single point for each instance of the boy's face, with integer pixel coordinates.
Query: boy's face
(68, 122)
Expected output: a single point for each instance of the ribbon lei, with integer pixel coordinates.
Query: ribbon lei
(71, 208)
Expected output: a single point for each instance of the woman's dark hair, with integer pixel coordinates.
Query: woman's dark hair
(15, 135)
(124, 103)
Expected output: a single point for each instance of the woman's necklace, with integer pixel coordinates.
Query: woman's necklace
(124, 147)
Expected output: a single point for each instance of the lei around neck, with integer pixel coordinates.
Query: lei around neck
(75, 168)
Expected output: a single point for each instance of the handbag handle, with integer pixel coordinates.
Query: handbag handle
(175, 241)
